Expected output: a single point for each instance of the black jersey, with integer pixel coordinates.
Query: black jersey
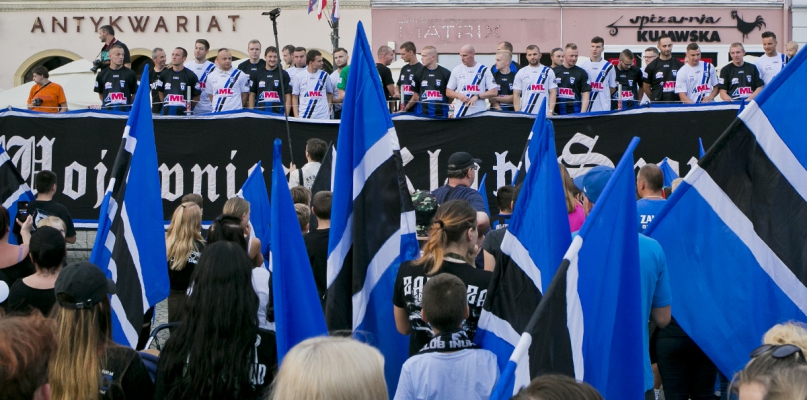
(266, 87)
(156, 105)
(505, 82)
(174, 86)
(572, 83)
(118, 87)
(249, 68)
(661, 74)
(631, 81)
(431, 86)
(739, 82)
(407, 82)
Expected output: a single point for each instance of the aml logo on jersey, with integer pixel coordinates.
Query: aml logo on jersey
(669, 86)
(702, 88)
(202, 85)
(116, 98)
(432, 95)
(471, 88)
(175, 100)
(536, 87)
(566, 93)
(406, 89)
(314, 94)
(597, 86)
(627, 95)
(744, 91)
(225, 92)
(269, 96)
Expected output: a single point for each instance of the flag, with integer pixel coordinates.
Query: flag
(254, 191)
(589, 324)
(311, 5)
(668, 168)
(321, 6)
(483, 190)
(130, 244)
(529, 152)
(741, 266)
(372, 217)
(13, 189)
(701, 151)
(335, 12)
(533, 247)
(324, 178)
(298, 312)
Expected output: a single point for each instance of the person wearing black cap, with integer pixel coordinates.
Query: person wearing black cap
(88, 365)
(461, 173)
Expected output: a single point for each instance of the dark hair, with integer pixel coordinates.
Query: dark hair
(44, 181)
(504, 196)
(203, 42)
(458, 173)
(217, 336)
(555, 49)
(108, 29)
(338, 49)
(270, 49)
(296, 49)
(533, 47)
(184, 52)
(5, 221)
(597, 39)
(664, 36)
(47, 248)
(40, 70)
(312, 55)
(651, 174)
(316, 149)
(768, 34)
(693, 46)
(301, 195)
(653, 49)
(627, 54)
(289, 47)
(26, 347)
(509, 46)
(322, 204)
(408, 46)
(557, 387)
(116, 46)
(194, 198)
(227, 228)
(444, 302)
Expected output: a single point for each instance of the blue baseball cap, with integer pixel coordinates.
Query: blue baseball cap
(593, 182)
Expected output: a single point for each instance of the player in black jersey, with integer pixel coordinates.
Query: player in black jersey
(431, 85)
(659, 84)
(265, 92)
(573, 87)
(254, 63)
(739, 81)
(116, 85)
(173, 85)
(405, 89)
(504, 77)
(630, 77)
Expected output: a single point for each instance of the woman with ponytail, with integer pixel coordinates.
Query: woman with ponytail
(451, 249)
(183, 245)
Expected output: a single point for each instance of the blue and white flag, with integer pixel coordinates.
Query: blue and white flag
(130, 245)
(254, 191)
(735, 230)
(668, 172)
(13, 189)
(298, 311)
(483, 190)
(372, 217)
(530, 151)
(532, 249)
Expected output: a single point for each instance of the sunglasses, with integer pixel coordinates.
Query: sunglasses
(778, 351)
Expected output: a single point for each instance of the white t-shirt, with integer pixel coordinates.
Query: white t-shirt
(602, 78)
(293, 71)
(697, 82)
(471, 81)
(310, 171)
(335, 79)
(226, 88)
(312, 91)
(260, 283)
(534, 84)
(770, 66)
(468, 374)
(202, 71)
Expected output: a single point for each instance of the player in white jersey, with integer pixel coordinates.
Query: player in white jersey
(298, 63)
(470, 84)
(772, 62)
(601, 77)
(227, 87)
(697, 80)
(312, 90)
(202, 68)
(533, 84)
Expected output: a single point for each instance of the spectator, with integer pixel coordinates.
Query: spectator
(492, 245)
(239, 208)
(450, 366)
(46, 96)
(316, 241)
(300, 195)
(47, 251)
(794, 333)
(791, 48)
(14, 261)
(44, 206)
(107, 35)
(557, 387)
(303, 216)
(183, 245)
(504, 200)
(461, 172)
(53, 222)
(334, 368)
(788, 384)
(26, 346)
(88, 364)
(451, 249)
(767, 361)
(219, 351)
(314, 153)
(194, 198)
(227, 228)
(649, 183)
(577, 216)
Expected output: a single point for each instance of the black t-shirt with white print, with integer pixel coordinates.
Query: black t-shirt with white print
(407, 81)
(661, 75)
(740, 82)
(631, 81)
(124, 376)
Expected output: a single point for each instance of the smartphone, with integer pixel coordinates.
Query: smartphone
(22, 210)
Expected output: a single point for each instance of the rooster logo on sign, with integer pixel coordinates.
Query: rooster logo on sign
(747, 27)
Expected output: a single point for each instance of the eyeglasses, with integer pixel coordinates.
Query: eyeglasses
(778, 351)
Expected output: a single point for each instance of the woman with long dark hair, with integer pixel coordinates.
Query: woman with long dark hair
(183, 245)
(48, 250)
(218, 351)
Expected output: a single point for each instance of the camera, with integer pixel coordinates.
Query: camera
(96, 65)
(36, 102)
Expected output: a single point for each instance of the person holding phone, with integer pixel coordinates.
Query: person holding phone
(14, 261)
(44, 206)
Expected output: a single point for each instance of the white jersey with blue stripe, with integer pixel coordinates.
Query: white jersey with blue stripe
(534, 84)
(601, 78)
(312, 90)
(226, 88)
(202, 71)
(471, 81)
(697, 82)
(770, 66)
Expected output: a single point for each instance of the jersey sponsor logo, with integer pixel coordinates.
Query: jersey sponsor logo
(430, 95)
(116, 98)
(566, 93)
(261, 84)
(108, 85)
(536, 87)
(168, 86)
(424, 83)
(314, 94)
(744, 91)
(175, 100)
(597, 87)
(202, 85)
(627, 95)
(660, 75)
(225, 92)
(702, 88)
(471, 89)
(269, 96)
(735, 81)
(406, 89)
(669, 86)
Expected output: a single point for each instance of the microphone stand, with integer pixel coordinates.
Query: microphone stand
(273, 16)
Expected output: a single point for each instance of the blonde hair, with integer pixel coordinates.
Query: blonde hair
(568, 186)
(236, 207)
(675, 183)
(787, 333)
(452, 220)
(303, 215)
(788, 384)
(51, 221)
(331, 368)
(182, 234)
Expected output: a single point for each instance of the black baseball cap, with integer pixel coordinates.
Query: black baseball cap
(461, 160)
(85, 283)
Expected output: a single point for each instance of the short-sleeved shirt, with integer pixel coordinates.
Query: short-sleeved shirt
(661, 75)
(602, 79)
(493, 241)
(24, 299)
(460, 192)
(505, 84)
(655, 291)
(647, 210)
(174, 86)
(117, 87)
(226, 88)
(104, 56)
(293, 71)
(202, 71)
(431, 87)
(572, 83)
(341, 84)
(471, 81)
(124, 376)
(249, 68)
(697, 82)
(266, 87)
(740, 82)
(770, 66)
(534, 84)
(407, 81)
(52, 95)
(386, 78)
(468, 374)
(42, 209)
(631, 80)
(180, 280)
(156, 104)
(312, 91)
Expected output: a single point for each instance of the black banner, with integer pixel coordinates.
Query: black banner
(212, 156)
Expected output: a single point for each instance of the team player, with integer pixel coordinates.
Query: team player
(227, 87)
(288, 56)
(660, 74)
(254, 63)
(340, 61)
(266, 94)
(298, 64)
(116, 85)
(534, 83)
(601, 77)
(504, 77)
(432, 84)
(470, 84)
(202, 68)
(697, 80)
(572, 82)
(772, 62)
(173, 83)
(739, 81)
(557, 57)
(514, 67)
(405, 88)
(312, 90)
(629, 77)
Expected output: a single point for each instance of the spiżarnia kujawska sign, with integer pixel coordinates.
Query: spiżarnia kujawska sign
(680, 28)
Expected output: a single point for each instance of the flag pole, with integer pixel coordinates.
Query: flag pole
(273, 15)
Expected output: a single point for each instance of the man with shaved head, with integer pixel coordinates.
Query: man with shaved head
(226, 87)
(385, 56)
(470, 84)
(431, 84)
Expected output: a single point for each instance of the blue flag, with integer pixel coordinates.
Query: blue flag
(740, 265)
(130, 245)
(667, 170)
(483, 190)
(298, 311)
(372, 217)
(701, 151)
(532, 249)
(530, 151)
(13, 189)
(254, 191)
